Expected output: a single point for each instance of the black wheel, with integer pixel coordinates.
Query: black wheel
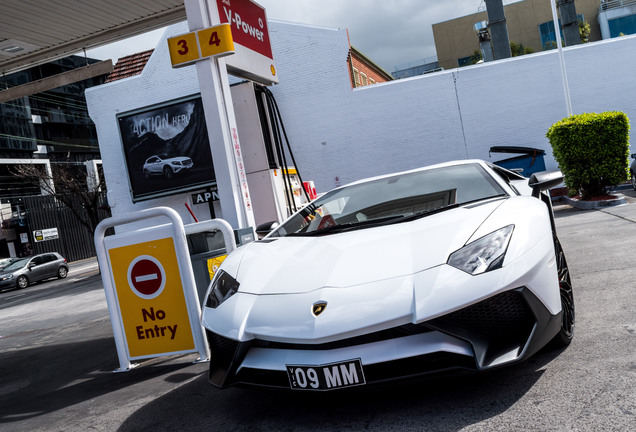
(634, 181)
(22, 282)
(167, 172)
(146, 174)
(62, 272)
(564, 337)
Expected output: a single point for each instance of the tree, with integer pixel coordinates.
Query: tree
(592, 151)
(584, 31)
(517, 49)
(550, 45)
(476, 57)
(69, 185)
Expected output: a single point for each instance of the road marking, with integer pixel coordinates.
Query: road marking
(14, 296)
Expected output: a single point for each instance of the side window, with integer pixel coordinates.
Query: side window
(49, 258)
(37, 260)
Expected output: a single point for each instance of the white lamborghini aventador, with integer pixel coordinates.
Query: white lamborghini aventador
(452, 266)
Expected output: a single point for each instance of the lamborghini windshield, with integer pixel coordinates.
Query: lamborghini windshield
(393, 199)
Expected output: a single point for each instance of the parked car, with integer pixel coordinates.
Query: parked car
(25, 271)
(166, 166)
(632, 170)
(455, 266)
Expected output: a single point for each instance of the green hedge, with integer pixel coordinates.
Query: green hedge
(592, 151)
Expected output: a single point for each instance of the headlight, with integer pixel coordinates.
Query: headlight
(9, 276)
(484, 254)
(223, 287)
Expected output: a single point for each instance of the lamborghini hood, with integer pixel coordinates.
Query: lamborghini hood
(289, 265)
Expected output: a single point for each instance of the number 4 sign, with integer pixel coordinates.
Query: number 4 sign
(211, 42)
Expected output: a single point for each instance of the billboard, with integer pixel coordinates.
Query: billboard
(167, 149)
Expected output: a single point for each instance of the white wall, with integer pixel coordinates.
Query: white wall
(158, 83)
(437, 117)
(340, 135)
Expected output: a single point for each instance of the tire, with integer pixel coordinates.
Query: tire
(167, 173)
(62, 272)
(633, 181)
(146, 174)
(22, 282)
(566, 333)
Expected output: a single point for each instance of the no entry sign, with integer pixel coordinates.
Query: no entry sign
(146, 276)
(150, 294)
(149, 285)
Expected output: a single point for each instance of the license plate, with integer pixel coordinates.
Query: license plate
(326, 377)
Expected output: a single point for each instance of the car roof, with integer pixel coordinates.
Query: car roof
(425, 168)
(505, 183)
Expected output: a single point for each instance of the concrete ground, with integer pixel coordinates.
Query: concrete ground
(57, 357)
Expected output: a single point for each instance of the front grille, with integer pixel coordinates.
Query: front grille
(499, 325)
(223, 352)
(501, 315)
(222, 349)
(494, 326)
(393, 333)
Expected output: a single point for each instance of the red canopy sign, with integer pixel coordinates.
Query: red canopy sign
(248, 23)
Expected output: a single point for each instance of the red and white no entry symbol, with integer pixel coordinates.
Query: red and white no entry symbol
(146, 276)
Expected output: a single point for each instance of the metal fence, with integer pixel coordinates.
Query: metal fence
(612, 4)
(74, 241)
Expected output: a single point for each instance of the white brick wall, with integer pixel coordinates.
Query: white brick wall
(340, 135)
(449, 115)
(158, 83)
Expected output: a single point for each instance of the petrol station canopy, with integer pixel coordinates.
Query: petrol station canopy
(38, 31)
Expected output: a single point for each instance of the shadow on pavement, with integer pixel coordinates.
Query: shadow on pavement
(447, 404)
(59, 376)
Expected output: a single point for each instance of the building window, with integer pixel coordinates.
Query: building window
(622, 26)
(371, 81)
(546, 32)
(356, 77)
(465, 61)
(364, 79)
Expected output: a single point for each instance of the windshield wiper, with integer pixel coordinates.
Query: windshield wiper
(428, 212)
(351, 226)
(346, 227)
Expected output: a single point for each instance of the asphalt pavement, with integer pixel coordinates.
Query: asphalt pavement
(57, 357)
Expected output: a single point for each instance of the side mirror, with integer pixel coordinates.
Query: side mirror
(543, 181)
(265, 228)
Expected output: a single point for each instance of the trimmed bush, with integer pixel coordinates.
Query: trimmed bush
(592, 151)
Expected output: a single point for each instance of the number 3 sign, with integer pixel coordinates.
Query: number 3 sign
(211, 42)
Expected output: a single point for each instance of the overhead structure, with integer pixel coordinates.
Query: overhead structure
(38, 31)
(569, 22)
(498, 29)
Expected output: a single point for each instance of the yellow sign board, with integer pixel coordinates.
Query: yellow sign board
(213, 265)
(151, 298)
(183, 49)
(216, 41)
(211, 42)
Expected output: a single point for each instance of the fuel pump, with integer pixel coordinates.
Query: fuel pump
(276, 185)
